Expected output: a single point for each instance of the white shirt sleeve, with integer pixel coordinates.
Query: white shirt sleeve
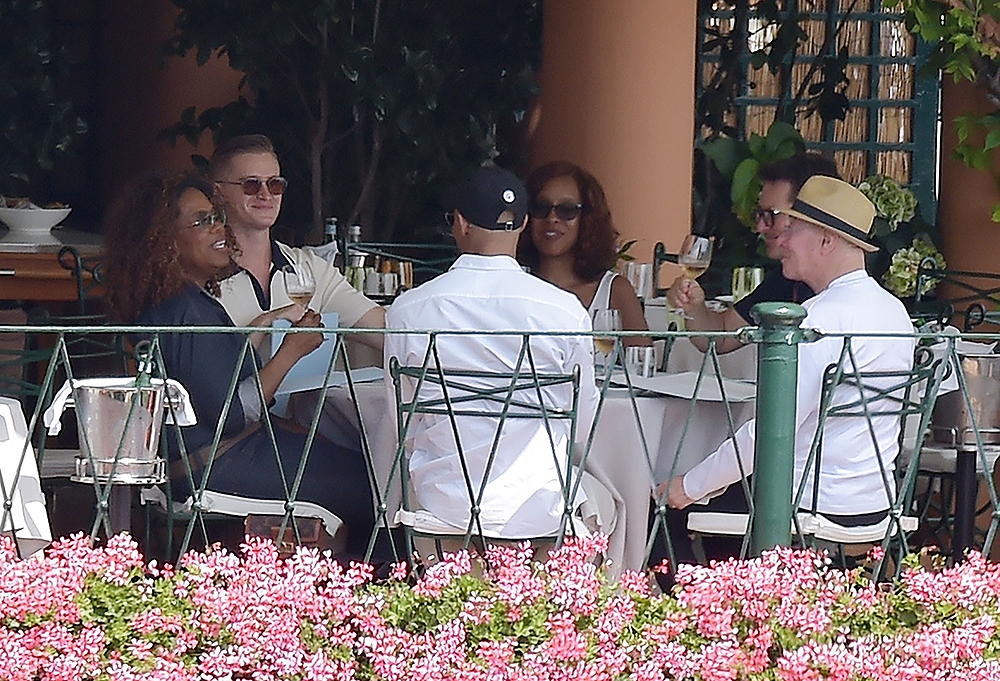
(720, 469)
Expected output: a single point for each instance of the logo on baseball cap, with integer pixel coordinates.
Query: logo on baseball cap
(491, 198)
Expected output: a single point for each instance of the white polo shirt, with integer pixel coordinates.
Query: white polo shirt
(523, 497)
(244, 299)
(850, 481)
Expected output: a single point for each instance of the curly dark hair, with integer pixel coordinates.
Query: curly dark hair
(595, 251)
(141, 266)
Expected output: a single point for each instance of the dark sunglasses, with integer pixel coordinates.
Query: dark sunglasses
(252, 185)
(766, 215)
(564, 211)
(207, 220)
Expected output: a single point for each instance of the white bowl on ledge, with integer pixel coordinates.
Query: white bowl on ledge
(33, 220)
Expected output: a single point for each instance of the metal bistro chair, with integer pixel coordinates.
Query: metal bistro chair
(427, 260)
(22, 366)
(976, 303)
(289, 521)
(973, 306)
(500, 396)
(894, 394)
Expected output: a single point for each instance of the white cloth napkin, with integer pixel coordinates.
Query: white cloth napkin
(326, 251)
(63, 399)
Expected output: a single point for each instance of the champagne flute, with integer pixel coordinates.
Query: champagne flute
(300, 285)
(606, 320)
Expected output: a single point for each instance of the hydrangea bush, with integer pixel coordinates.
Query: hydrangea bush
(99, 613)
(901, 277)
(893, 203)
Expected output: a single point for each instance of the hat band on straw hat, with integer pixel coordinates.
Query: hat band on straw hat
(829, 220)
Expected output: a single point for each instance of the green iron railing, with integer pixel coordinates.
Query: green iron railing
(771, 517)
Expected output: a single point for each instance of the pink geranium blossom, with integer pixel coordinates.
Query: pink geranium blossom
(83, 612)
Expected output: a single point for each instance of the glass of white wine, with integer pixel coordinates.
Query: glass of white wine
(300, 285)
(695, 256)
(606, 320)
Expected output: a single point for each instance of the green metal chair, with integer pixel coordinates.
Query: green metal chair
(197, 515)
(894, 394)
(435, 391)
(976, 303)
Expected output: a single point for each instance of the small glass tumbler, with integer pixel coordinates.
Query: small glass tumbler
(640, 361)
(745, 280)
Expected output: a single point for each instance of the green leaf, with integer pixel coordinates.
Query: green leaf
(726, 153)
(992, 139)
(746, 187)
(780, 138)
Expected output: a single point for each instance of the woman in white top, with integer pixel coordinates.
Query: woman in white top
(571, 242)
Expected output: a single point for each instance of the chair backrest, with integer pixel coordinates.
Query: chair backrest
(974, 300)
(498, 397)
(87, 272)
(427, 260)
(23, 356)
(902, 395)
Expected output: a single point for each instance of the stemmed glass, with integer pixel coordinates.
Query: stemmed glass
(695, 256)
(606, 320)
(300, 285)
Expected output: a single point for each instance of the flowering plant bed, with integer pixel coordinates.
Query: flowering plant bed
(99, 613)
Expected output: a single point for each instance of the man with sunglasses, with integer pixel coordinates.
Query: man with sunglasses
(247, 176)
(781, 181)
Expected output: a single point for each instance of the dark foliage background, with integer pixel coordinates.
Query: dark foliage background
(375, 105)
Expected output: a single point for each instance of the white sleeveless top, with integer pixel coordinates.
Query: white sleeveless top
(602, 299)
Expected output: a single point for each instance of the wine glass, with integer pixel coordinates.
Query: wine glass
(606, 320)
(300, 285)
(695, 256)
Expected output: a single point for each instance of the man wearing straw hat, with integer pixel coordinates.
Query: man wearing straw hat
(824, 246)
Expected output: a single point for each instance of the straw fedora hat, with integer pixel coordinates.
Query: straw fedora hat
(837, 206)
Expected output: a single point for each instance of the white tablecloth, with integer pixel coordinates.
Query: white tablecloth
(617, 458)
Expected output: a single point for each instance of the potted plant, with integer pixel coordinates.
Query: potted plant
(904, 239)
(966, 39)
(375, 106)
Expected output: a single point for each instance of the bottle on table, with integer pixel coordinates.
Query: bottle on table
(354, 271)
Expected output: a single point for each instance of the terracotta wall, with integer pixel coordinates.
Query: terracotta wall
(138, 97)
(617, 97)
(970, 240)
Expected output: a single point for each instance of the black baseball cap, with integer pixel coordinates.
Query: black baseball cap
(491, 198)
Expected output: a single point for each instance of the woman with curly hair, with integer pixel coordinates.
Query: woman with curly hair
(166, 244)
(571, 242)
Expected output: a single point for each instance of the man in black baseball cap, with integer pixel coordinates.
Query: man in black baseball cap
(486, 290)
(491, 198)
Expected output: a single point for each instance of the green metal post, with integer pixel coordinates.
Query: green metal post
(777, 364)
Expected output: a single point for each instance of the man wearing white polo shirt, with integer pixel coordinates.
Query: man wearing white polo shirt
(247, 177)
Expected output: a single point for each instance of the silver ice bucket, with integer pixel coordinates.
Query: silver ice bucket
(951, 422)
(122, 416)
